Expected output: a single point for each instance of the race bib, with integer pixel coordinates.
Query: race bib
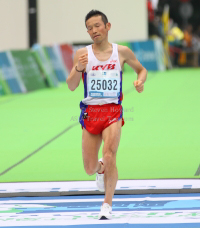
(104, 83)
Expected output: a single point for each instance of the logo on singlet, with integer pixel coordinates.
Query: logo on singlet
(106, 67)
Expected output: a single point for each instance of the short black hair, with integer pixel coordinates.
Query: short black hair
(93, 13)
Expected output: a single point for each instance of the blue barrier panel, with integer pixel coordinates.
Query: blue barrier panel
(10, 73)
(149, 54)
(56, 64)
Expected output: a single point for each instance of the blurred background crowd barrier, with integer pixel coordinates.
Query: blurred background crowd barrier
(39, 67)
(177, 23)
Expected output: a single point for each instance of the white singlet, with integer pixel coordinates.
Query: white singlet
(102, 79)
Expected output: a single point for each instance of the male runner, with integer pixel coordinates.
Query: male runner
(100, 66)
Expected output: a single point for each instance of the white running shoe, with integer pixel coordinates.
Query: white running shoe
(106, 212)
(100, 179)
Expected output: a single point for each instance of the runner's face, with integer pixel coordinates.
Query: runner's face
(97, 29)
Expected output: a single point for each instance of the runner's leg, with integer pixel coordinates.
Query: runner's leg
(111, 137)
(90, 147)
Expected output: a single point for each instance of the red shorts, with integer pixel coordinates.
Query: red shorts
(95, 118)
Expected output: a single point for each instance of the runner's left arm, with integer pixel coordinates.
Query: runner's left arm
(132, 61)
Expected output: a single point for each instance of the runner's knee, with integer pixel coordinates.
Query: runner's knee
(90, 169)
(109, 159)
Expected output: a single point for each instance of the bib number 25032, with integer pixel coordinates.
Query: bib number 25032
(104, 83)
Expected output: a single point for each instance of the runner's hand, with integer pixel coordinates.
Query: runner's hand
(82, 62)
(139, 86)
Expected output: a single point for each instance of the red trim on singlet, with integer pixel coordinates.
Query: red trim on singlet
(83, 77)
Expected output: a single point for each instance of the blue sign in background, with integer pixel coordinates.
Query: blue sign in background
(146, 54)
(57, 65)
(9, 73)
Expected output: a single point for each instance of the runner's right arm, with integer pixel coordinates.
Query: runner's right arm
(80, 62)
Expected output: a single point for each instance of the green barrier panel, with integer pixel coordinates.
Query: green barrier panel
(28, 70)
(45, 66)
(2, 92)
(127, 68)
(4, 87)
